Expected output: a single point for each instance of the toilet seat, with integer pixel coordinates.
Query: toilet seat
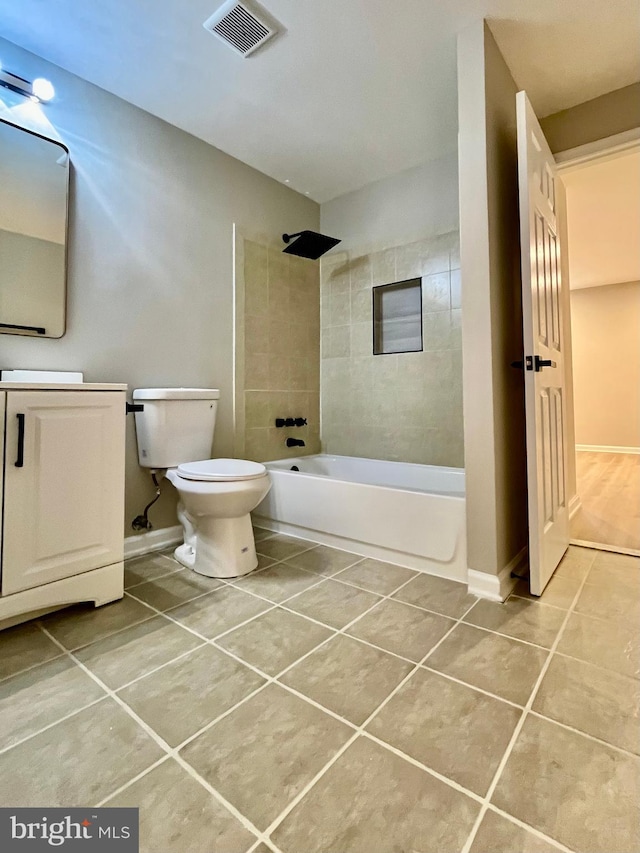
(221, 470)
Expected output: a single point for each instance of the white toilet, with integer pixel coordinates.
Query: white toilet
(175, 433)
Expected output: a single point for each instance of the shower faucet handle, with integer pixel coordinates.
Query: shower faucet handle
(301, 422)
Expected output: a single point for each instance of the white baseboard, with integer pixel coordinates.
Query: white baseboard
(574, 505)
(496, 587)
(152, 540)
(606, 448)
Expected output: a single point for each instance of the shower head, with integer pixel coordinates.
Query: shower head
(309, 244)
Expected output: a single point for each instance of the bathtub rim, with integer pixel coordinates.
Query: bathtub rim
(457, 495)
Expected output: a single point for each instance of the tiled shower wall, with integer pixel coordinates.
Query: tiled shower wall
(406, 406)
(278, 370)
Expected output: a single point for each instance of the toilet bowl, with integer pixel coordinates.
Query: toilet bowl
(174, 432)
(216, 499)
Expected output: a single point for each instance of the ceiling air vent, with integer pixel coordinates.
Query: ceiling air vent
(239, 27)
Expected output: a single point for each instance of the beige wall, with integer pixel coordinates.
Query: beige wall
(615, 112)
(606, 364)
(405, 406)
(410, 205)
(278, 369)
(150, 298)
(603, 207)
(494, 428)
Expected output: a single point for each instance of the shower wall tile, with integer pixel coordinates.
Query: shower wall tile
(281, 351)
(456, 295)
(405, 406)
(361, 306)
(436, 292)
(256, 368)
(383, 267)
(338, 342)
(360, 272)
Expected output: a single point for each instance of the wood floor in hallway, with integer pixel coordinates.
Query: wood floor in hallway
(609, 488)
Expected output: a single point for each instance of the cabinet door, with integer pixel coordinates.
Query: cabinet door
(64, 485)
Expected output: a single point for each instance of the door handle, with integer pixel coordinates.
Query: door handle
(20, 456)
(543, 362)
(536, 363)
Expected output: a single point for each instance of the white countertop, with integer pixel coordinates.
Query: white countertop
(62, 386)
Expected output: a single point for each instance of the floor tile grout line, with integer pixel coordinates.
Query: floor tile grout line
(473, 686)
(159, 667)
(381, 599)
(451, 783)
(128, 592)
(275, 823)
(564, 654)
(166, 747)
(50, 725)
(534, 601)
(223, 582)
(166, 757)
(584, 734)
(271, 847)
(104, 636)
(220, 798)
(271, 606)
(177, 571)
(520, 724)
(558, 845)
(179, 568)
(360, 730)
(319, 580)
(506, 636)
(29, 668)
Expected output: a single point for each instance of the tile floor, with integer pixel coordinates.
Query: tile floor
(337, 704)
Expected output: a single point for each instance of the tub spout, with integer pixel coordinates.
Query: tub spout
(295, 442)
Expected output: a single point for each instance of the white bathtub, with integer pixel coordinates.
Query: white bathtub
(412, 515)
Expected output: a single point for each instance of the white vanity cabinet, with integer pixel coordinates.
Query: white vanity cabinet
(62, 496)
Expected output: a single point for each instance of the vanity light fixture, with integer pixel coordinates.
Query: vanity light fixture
(40, 90)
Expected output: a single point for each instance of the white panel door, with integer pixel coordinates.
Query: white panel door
(545, 399)
(64, 485)
(3, 403)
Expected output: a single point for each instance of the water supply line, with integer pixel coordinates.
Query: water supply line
(141, 522)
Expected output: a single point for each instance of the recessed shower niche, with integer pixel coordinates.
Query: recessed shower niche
(397, 317)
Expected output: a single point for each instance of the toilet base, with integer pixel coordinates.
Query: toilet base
(223, 547)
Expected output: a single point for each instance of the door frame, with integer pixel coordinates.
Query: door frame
(569, 160)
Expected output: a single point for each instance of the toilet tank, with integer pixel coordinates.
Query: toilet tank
(176, 425)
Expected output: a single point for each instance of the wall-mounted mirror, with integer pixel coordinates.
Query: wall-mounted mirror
(34, 189)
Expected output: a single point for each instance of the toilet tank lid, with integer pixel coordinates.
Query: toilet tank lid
(176, 394)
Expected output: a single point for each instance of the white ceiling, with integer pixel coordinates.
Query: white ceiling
(354, 90)
(603, 206)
